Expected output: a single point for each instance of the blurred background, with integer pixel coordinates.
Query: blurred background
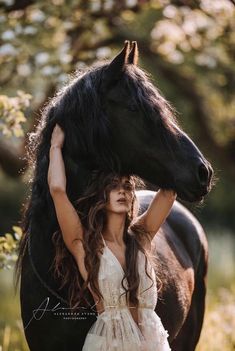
(188, 48)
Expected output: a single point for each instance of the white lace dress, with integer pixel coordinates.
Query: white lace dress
(115, 328)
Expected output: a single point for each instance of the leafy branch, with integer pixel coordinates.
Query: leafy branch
(12, 115)
(8, 248)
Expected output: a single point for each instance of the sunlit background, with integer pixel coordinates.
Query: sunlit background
(188, 47)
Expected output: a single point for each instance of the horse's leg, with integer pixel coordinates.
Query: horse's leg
(189, 335)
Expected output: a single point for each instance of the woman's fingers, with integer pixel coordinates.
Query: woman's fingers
(57, 136)
(58, 129)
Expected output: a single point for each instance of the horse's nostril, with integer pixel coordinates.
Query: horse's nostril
(203, 173)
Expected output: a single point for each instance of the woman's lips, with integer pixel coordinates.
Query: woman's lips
(122, 201)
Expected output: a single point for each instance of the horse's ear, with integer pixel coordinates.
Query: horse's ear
(117, 65)
(134, 54)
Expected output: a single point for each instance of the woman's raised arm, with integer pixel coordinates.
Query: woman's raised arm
(68, 219)
(157, 212)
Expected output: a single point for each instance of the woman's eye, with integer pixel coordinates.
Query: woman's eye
(128, 187)
(115, 185)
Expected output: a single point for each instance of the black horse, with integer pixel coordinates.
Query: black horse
(114, 119)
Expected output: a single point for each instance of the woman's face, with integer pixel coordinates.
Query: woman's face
(121, 195)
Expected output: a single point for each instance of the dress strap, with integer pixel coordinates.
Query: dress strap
(103, 240)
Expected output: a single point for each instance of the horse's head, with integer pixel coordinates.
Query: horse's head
(114, 118)
(145, 134)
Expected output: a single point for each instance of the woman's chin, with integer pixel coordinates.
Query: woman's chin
(122, 209)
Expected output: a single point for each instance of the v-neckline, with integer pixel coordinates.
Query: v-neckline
(115, 258)
(113, 255)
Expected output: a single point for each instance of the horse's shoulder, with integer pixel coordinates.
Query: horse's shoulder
(182, 220)
(189, 230)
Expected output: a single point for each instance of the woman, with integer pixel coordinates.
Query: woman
(112, 250)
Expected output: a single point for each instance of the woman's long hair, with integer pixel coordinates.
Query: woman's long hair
(92, 213)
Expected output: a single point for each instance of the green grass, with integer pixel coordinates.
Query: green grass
(218, 332)
(11, 328)
(219, 323)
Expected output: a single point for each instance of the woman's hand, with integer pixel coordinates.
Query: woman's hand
(57, 137)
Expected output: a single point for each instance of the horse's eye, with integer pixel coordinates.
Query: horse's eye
(132, 108)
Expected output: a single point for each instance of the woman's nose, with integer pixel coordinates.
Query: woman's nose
(121, 189)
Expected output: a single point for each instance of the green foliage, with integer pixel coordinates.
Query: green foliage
(11, 114)
(11, 326)
(8, 248)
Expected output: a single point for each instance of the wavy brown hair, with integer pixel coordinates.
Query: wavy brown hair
(92, 213)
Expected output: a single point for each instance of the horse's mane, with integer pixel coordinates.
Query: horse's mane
(78, 106)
